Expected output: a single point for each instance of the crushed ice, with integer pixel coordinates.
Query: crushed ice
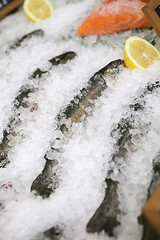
(85, 158)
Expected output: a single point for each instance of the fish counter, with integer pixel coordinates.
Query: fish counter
(79, 146)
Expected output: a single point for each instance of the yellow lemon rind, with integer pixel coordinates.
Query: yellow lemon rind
(31, 16)
(128, 59)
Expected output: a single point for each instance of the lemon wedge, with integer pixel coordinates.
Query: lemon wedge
(38, 10)
(139, 53)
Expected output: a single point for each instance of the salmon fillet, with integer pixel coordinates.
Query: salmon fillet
(114, 16)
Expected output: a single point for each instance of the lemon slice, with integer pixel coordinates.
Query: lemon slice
(37, 10)
(139, 53)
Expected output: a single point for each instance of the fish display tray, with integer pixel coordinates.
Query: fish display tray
(7, 6)
(152, 12)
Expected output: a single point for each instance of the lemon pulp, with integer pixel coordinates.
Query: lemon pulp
(139, 53)
(37, 10)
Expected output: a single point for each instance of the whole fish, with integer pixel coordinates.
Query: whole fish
(21, 101)
(47, 181)
(149, 233)
(99, 222)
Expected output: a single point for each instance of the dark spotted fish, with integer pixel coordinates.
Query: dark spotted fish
(21, 101)
(96, 85)
(17, 43)
(105, 218)
(126, 124)
(47, 181)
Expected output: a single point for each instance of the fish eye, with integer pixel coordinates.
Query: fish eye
(57, 233)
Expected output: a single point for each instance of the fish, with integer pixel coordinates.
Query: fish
(149, 232)
(114, 16)
(21, 101)
(105, 217)
(47, 181)
(104, 221)
(18, 42)
(54, 233)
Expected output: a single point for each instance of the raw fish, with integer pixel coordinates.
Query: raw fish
(21, 101)
(17, 43)
(46, 182)
(124, 131)
(114, 16)
(105, 218)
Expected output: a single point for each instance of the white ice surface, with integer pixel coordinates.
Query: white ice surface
(85, 159)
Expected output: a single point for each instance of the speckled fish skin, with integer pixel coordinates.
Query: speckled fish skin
(21, 101)
(126, 124)
(46, 182)
(105, 221)
(96, 85)
(43, 184)
(148, 232)
(105, 218)
(17, 43)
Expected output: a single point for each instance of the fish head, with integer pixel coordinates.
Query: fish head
(54, 233)
(111, 70)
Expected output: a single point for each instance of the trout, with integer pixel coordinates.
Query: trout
(21, 101)
(108, 220)
(47, 181)
(17, 43)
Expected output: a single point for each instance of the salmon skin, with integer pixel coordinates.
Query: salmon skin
(21, 101)
(148, 231)
(114, 16)
(47, 181)
(105, 217)
(17, 43)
